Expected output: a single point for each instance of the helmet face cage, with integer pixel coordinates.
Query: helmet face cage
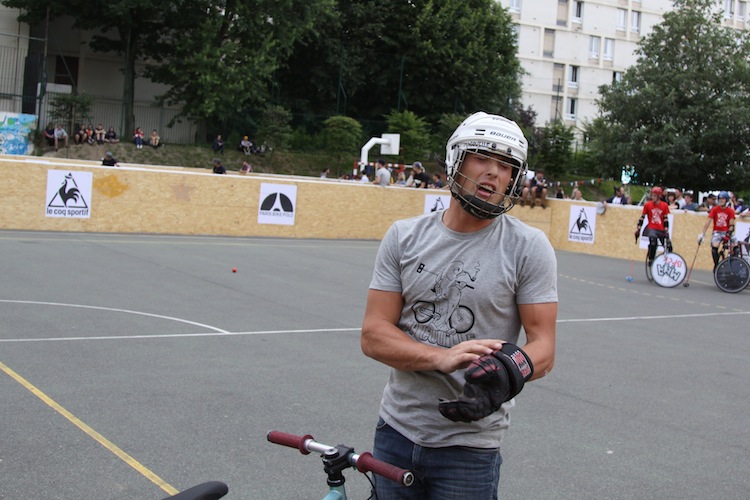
(493, 136)
(723, 194)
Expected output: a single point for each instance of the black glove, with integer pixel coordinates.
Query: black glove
(491, 380)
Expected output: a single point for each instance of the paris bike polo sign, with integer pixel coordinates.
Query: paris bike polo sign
(68, 194)
(278, 203)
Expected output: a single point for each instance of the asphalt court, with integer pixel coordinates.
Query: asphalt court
(134, 365)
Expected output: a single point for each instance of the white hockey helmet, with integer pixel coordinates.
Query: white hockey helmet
(482, 133)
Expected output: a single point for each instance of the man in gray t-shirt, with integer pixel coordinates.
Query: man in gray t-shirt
(382, 175)
(449, 289)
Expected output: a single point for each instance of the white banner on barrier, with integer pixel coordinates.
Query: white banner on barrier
(278, 204)
(68, 194)
(582, 224)
(436, 202)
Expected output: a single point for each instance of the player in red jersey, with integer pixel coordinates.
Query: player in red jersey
(657, 229)
(724, 217)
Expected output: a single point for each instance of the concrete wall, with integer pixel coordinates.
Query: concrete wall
(175, 200)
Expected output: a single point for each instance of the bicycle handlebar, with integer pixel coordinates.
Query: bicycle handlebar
(364, 462)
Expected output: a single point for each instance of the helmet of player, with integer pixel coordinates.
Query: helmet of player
(657, 191)
(494, 135)
(723, 194)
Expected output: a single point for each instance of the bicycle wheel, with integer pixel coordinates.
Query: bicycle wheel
(669, 270)
(732, 274)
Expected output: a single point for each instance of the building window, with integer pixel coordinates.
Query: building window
(594, 42)
(558, 74)
(728, 9)
(562, 12)
(66, 70)
(549, 42)
(515, 6)
(616, 76)
(577, 11)
(573, 76)
(571, 108)
(635, 22)
(622, 15)
(741, 11)
(609, 49)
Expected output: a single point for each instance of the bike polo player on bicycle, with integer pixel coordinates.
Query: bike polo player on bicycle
(449, 294)
(724, 218)
(657, 229)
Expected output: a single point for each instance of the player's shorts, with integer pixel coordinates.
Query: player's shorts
(717, 236)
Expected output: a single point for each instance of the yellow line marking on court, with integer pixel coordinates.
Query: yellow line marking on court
(135, 464)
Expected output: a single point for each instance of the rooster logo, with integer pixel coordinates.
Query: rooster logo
(581, 224)
(69, 190)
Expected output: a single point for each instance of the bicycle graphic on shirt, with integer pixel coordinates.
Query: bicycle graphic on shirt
(445, 314)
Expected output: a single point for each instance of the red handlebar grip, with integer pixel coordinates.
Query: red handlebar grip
(289, 440)
(367, 463)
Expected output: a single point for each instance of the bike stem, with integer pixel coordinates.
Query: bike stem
(335, 461)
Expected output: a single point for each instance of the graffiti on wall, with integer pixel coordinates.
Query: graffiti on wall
(15, 130)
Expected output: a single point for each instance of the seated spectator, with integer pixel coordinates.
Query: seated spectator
(60, 136)
(536, 190)
(218, 145)
(218, 167)
(49, 135)
(690, 205)
(325, 173)
(99, 134)
(90, 134)
(619, 197)
(80, 136)
(111, 136)
(138, 138)
(418, 177)
(437, 181)
(109, 160)
(401, 178)
(672, 201)
(577, 195)
(708, 203)
(246, 168)
(154, 140)
(246, 146)
(560, 195)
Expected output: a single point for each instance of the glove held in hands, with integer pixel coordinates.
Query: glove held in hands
(491, 380)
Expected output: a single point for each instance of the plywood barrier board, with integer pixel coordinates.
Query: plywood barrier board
(69, 195)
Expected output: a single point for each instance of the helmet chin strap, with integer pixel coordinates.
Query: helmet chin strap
(476, 206)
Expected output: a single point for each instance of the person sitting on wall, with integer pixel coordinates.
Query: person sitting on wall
(60, 136)
(154, 140)
(99, 134)
(49, 135)
(218, 167)
(111, 136)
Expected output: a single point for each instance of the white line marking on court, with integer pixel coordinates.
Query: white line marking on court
(221, 333)
(112, 309)
(224, 333)
(665, 316)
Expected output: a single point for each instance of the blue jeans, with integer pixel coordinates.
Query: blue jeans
(452, 473)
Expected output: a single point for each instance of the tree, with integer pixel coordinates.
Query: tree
(218, 58)
(71, 109)
(555, 149)
(343, 138)
(430, 57)
(681, 115)
(415, 135)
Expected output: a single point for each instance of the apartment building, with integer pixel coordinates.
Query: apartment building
(568, 48)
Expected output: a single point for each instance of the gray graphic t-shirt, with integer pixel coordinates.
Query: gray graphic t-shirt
(456, 287)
